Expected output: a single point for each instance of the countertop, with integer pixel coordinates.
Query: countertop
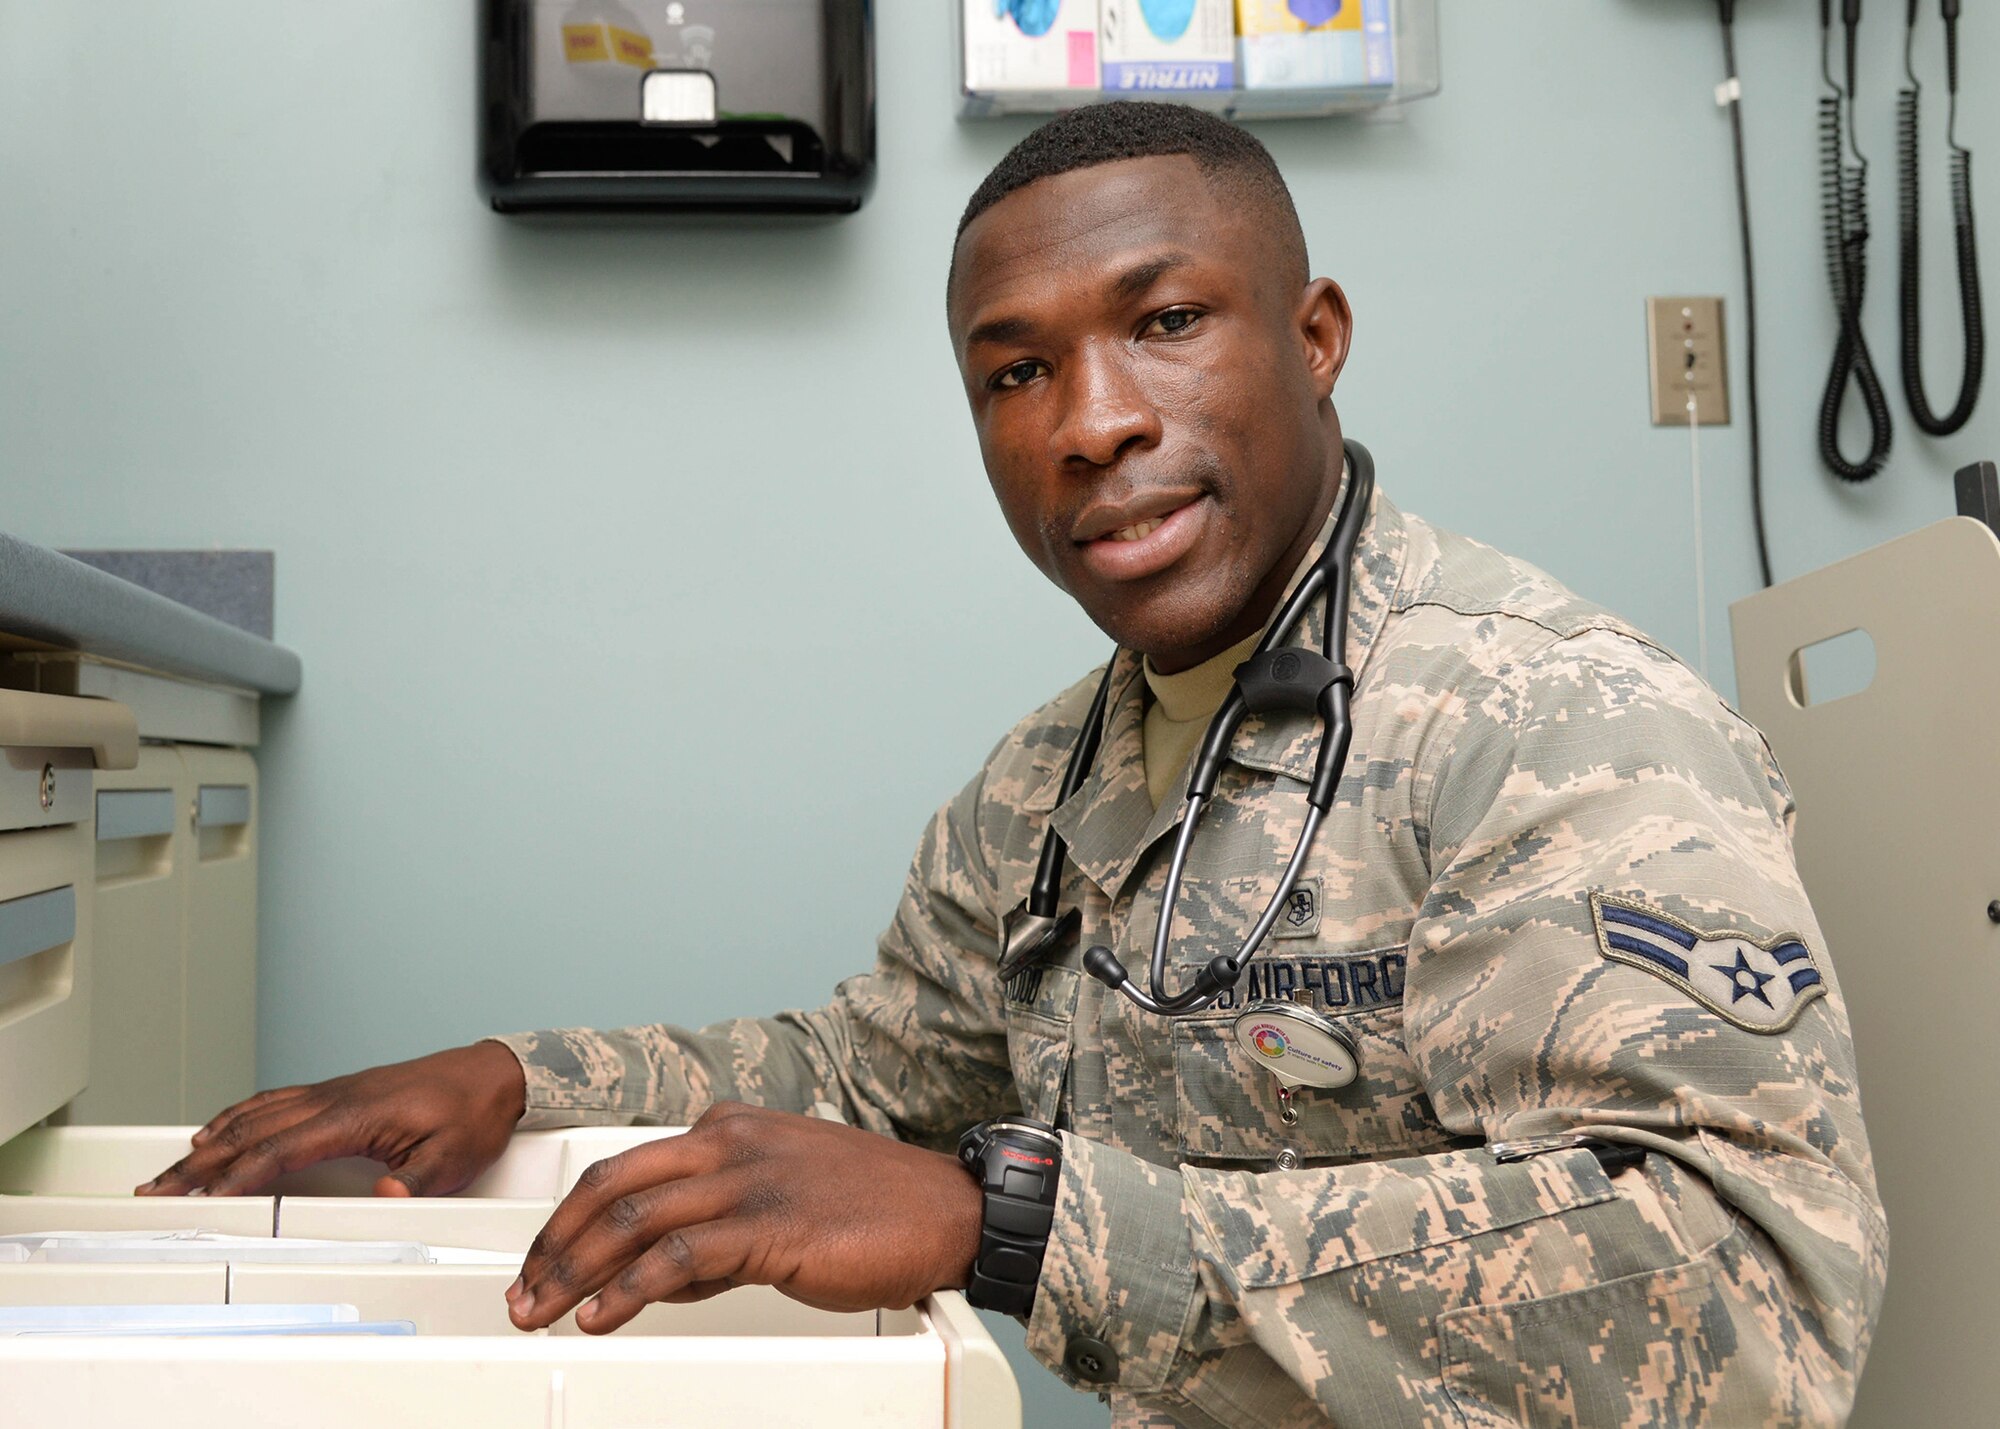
(48, 598)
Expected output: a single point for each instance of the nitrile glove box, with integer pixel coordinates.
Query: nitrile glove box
(1319, 44)
(748, 1355)
(1167, 45)
(1038, 45)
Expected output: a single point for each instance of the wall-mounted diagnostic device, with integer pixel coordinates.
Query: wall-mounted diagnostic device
(716, 105)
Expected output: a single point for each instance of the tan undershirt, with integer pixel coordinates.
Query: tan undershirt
(1177, 715)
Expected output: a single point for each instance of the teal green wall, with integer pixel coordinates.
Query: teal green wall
(648, 587)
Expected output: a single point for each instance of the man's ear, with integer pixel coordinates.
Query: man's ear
(1325, 326)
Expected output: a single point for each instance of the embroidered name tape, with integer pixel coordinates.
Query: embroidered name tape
(1759, 986)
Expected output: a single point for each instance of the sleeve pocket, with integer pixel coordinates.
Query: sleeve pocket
(1585, 1357)
(1342, 1277)
(1278, 1227)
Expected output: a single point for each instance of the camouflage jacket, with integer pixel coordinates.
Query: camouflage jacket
(1556, 891)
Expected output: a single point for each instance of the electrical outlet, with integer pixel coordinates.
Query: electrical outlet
(1684, 341)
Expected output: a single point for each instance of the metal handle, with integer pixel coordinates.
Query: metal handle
(222, 806)
(36, 923)
(104, 727)
(134, 814)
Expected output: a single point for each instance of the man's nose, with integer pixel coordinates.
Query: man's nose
(1104, 410)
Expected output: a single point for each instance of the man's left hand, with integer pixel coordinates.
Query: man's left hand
(838, 1218)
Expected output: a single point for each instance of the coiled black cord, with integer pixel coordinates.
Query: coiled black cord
(1908, 208)
(1844, 216)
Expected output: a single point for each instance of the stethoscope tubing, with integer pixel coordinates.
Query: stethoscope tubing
(1332, 573)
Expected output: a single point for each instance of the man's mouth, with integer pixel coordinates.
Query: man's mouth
(1148, 545)
(1134, 518)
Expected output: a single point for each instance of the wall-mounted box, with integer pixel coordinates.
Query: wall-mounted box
(1159, 48)
(690, 105)
(1305, 44)
(1031, 47)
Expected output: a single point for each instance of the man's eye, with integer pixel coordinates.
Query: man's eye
(1016, 374)
(1173, 321)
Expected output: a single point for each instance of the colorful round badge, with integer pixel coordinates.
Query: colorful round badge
(1297, 1045)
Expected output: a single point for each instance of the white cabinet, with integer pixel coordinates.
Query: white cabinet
(219, 934)
(174, 898)
(140, 850)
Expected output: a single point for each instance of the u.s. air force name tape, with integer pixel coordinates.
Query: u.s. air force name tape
(1760, 986)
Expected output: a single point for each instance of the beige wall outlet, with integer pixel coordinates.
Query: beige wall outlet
(1684, 341)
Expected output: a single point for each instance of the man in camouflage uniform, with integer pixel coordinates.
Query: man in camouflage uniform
(1555, 892)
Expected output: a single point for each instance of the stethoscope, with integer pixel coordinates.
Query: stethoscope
(1297, 1044)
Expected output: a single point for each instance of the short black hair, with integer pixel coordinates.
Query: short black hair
(1141, 129)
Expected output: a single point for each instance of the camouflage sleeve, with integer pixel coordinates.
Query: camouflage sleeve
(915, 1048)
(1731, 1278)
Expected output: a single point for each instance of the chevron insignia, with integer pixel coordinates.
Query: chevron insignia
(1759, 986)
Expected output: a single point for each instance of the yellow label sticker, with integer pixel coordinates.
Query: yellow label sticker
(631, 47)
(584, 43)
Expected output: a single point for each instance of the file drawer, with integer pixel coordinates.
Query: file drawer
(746, 1354)
(546, 1382)
(140, 850)
(50, 749)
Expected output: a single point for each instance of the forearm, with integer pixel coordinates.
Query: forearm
(1445, 1288)
(892, 1053)
(660, 1075)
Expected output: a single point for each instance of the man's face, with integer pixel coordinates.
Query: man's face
(1150, 384)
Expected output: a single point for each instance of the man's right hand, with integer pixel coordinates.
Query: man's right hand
(435, 1122)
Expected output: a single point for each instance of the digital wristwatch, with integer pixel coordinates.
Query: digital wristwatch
(1017, 1162)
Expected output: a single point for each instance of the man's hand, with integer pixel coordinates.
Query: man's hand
(436, 1122)
(838, 1218)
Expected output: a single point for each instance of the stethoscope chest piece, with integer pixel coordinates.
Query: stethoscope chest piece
(1026, 937)
(1298, 1047)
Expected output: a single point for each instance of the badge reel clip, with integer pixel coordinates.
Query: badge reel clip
(1299, 1048)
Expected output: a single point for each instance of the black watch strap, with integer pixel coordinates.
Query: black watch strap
(1017, 1162)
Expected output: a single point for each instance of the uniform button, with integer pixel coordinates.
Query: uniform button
(1091, 1361)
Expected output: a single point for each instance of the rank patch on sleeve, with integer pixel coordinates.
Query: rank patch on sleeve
(1759, 986)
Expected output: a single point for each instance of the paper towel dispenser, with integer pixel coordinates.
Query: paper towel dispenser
(693, 105)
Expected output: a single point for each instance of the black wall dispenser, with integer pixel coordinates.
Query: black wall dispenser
(692, 105)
